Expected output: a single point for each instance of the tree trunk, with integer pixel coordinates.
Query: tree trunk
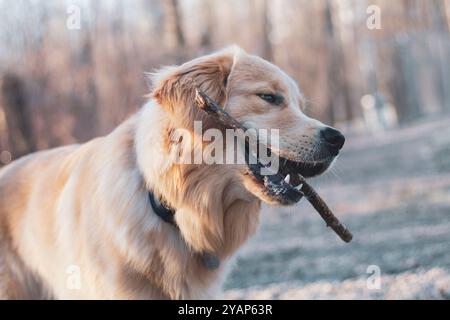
(406, 91)
(206, 39)
(15, 104)
(174, 36)
(339, 98)
(267, 30)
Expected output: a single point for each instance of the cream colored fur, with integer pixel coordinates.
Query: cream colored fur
(83, 210)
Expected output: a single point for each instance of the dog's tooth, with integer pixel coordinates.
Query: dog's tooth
(299, 187)
(287, 179)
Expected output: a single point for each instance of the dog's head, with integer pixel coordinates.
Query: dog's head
(260, 96)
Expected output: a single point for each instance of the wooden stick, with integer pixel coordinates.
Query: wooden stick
(211, 107)
(325, 212)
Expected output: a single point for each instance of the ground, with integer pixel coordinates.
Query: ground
(392, 190)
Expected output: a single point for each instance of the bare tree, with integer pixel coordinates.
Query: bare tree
(15, 105)
(338, 91)
(207, 32)
(441, 55)
(173, 33)
(267, 31)
(405, 81)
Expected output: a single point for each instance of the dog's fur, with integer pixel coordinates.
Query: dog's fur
(84, 209)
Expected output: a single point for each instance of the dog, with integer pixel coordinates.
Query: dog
(76, 222)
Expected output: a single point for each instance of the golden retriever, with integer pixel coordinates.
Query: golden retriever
(76, 222)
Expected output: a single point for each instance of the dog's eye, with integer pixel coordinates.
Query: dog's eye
(271, 98)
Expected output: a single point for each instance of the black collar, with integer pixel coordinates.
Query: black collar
(167, 214)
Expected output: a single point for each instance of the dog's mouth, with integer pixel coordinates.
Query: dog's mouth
(305, 169)
(283, 187)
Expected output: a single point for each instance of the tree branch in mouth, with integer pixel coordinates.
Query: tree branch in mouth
(277, 186)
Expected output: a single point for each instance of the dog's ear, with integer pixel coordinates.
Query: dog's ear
(175, 86)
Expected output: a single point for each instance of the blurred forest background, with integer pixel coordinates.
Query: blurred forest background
(62, 85)
(378, 69)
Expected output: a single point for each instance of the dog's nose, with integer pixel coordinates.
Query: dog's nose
(333, 137)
